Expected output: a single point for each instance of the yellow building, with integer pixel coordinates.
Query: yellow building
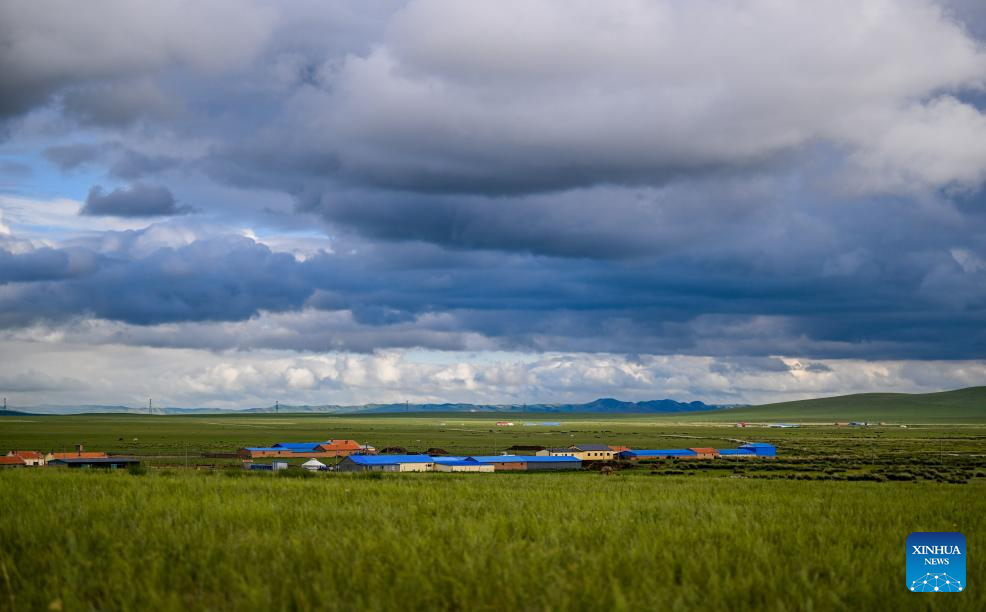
(592, 452)
(585, 452)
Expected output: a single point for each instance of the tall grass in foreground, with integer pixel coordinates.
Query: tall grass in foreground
(116, 541)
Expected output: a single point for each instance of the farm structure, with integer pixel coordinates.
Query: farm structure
(273, 466)
(755, 449)
(485, 463)
(111, 463)
(12, 462)
(461, 464)
(530, 463)
(386, 463)
(585, 452)
(30, 458)
(305, 450)
(79, 454)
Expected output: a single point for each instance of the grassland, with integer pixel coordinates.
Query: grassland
(178, 540)
(960, 406)
(822, 527)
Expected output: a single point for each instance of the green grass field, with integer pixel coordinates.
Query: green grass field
(579, 541)
(960, 406)
(822, 527)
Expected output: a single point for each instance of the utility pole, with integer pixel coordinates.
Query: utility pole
(277, 406)
(407, 406)
(149, 406)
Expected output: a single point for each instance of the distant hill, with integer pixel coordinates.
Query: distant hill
(602, 405)
(4, 413)
(959, 406)
(81, 409)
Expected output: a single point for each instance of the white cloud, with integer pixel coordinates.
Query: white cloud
(557, 91)
(120, 374)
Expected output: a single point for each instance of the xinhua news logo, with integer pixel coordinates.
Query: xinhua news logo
(936, 562)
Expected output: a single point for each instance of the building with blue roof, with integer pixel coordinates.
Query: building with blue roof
(530, 463)
(760, 449)
(753, 449)
(386, 463)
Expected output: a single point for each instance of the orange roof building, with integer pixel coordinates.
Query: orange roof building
(32, 458)
(329, 448)
(705, 453)
(76, 455)
(11, 462)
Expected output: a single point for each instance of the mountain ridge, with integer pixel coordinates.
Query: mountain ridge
(600, 405)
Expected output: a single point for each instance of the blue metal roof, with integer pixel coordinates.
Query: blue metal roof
(523, 459)
(450, 459)
(94, 460)
(389, 459)
(298, 446)
(467, 462)
(735, 451)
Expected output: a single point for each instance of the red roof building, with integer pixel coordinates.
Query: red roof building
(32, 458)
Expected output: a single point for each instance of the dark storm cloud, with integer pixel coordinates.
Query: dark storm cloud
(806, 184)
(413, 294)
(137, 200)
(45, 264)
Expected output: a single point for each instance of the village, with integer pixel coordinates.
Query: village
(352, 456)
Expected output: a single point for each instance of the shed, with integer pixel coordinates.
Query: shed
(386, 463)
(530, 463)
(761, 449)
(12, 462)
(705, 453)
(670, 453)
(462, 465)
(79, 454)
(31, 458)
(558, 462)
(111, 463)
(273, 466)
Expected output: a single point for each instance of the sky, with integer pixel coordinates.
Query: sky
(227, 203)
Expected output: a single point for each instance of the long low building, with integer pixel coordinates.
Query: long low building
(111, 463)
(479, 463)
(305, 450)
(386, 463)
(530, 463)
(753, 449)
(461, 464)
